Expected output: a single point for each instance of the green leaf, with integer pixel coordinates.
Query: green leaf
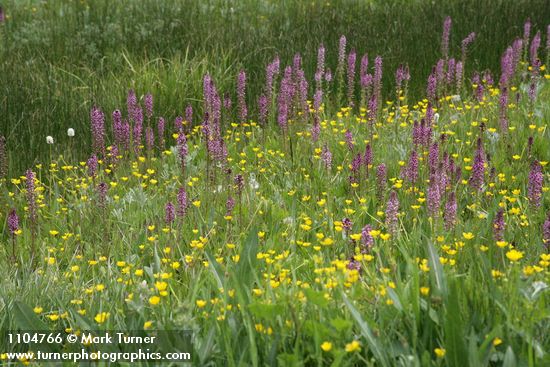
(83, 322)
(207, 345)
(395, 298)
(26, 319)
(454, 330)
(247, 320)
(317, 298)
(372, 341)
(266, 311)
(341, 324)
(248, 259)
(436, 270)
(215, 269)
(509, 358)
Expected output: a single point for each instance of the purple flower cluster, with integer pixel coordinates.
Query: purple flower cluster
(98, 130)
(431, 88)
(160, 133)
(392, 209)
(381, 177)
(149, 138)
(272, 70)
(31, 197)
(284, 99)
(534, 186)
(465, 43)
(229, 206)
(148, 105)
(499, 225)
(13, 222)
(320, 73)
(367, 240)
(477, 179)
(434, 196)
(169, 213)
(546, 233)
(402, 75)
(241, 95)
(351, 76)
(349, 139)
(92, 165)
(182, 202)
(102, 194)
(445, 38)
(449, 215)
(326, 156)
(411, 171)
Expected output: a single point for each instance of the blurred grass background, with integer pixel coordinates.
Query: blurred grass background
(59, 57)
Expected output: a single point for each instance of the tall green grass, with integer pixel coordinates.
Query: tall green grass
(58, 58)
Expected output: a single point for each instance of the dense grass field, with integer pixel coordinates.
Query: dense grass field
(381, 200)
(60, 57)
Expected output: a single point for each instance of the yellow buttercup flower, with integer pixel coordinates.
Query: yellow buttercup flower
(200, 303)
(326, 346)
(354, 346)
(468, 235)
(100, 318)
(514, 255)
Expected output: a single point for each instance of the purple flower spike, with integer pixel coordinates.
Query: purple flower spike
(342, 51)
(326, 156)
(320, 73)
(31, 196)
(182, 202)
(263, 109)
(189, 115)
(102, 194)
(366, 239)
(148, 105)
(13, 222)
(92, 165)
(98, 130)
(347, 224)
(241, 94)
(445, 38)
(431, 87)
(351, 76)
(149, 138)
(229, 205)
(392, 209)
(534, 186)
(349, 139)
(533, 52)
(465, 43)
(381, 177)
(169, 213)
(160, 133)
(477, 179)
(411, 172)
(433, 197)
(449, 216)
(499, 225)
(546, 233)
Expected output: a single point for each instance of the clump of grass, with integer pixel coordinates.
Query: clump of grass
(59, 57)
